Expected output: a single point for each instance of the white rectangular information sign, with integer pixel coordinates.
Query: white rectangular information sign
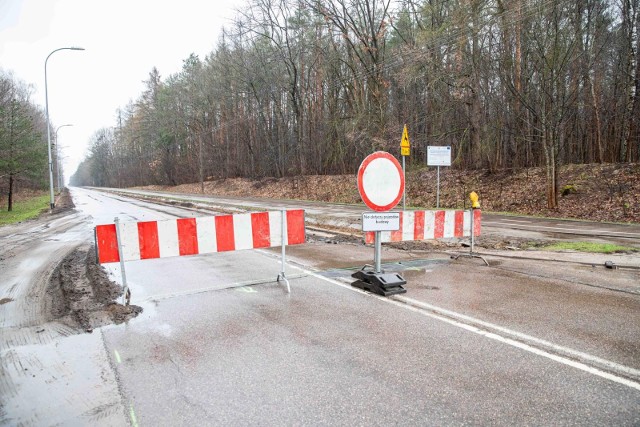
(380, 221)
(439, 156)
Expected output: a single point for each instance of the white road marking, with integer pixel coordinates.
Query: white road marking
(398, 301)
(524, 337)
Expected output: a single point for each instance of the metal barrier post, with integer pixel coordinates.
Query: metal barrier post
(438, 190)
(126, 296)
(471, 254)
(473, 238)
(283, 259)
(378, 252)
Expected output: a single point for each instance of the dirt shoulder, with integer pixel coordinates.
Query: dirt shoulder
(82, 295)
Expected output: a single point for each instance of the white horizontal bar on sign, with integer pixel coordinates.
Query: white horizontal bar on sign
(380, 221)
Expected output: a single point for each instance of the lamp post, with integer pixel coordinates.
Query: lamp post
(58, 155)
(46, 109)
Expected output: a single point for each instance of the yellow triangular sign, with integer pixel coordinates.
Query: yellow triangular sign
(405, 138)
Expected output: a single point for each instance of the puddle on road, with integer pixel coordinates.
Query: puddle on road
(84, 390)
(5, 300)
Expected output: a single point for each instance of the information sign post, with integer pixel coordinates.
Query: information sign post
(438, 156)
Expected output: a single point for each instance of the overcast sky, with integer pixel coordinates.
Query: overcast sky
(124, 40)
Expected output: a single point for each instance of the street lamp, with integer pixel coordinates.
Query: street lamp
(46, 109)
(58, 156)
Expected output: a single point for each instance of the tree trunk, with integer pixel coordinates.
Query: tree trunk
(633, 135)
(10, 197)
(596, 111)
(552, 178)
(550, 164)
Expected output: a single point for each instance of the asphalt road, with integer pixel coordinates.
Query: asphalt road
(220, 342)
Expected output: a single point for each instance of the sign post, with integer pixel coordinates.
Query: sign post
(381, 185)
(405, 150)
(438, 156)
(378, 222)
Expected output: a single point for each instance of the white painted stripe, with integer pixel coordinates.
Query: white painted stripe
(408, 226)
(449, 223)
(505, 340)
(130, 241)
(275, 228)
(242, 231)
(429, 225)
(168, 238)
(524, 337)
(206, 228)
(466, 228)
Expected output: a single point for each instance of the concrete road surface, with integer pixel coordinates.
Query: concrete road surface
(220, 342)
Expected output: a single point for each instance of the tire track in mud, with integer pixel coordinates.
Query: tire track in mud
(81, 294)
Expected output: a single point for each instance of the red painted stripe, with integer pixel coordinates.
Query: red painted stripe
(458, 225)
(260, 230)
(295, 227)
(225, 236)
(418, 225)
(369, 237)
(187, 236)
(477, 220)
(438, 226)
(396, 236)
(107, 243)
(148, 240)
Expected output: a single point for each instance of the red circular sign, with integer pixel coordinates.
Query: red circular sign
(380, 181)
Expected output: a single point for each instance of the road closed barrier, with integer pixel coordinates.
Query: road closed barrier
(194, 236)
(132, 241)
(431, 225)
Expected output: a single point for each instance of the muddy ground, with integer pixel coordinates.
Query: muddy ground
(482, 242)
(82, 296)
(80, 293)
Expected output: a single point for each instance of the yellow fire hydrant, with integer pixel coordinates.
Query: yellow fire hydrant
(473, 196)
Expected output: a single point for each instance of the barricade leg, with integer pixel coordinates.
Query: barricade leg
(471, 253)
(283, 255)
(126, 295)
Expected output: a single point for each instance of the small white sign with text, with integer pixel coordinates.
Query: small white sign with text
(380, 221)
(439, 156)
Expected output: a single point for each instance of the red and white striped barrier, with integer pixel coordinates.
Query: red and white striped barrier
(430, 225)
(193, 236)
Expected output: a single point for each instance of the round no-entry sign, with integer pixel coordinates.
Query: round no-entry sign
(380, 181)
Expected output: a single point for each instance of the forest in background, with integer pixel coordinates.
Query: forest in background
(310, 87)
(23, 140)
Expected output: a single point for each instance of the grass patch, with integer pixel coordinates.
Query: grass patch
(24, 209)
(600, 248)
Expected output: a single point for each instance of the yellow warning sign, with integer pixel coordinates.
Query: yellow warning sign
(404, 143)
(405, 138)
